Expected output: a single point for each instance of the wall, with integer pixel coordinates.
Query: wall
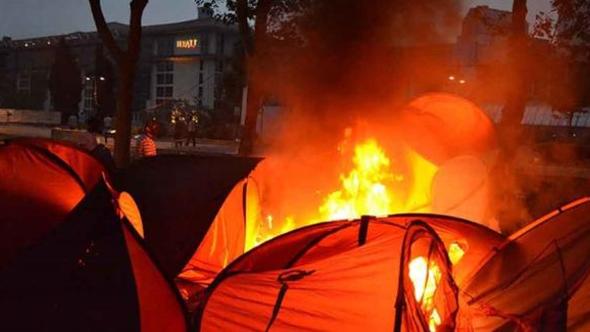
(29, 116)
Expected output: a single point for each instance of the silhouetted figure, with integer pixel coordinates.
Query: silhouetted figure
(89, 142)
(193, 120)
(146, 145)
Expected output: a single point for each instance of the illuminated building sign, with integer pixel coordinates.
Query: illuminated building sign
(187, 43)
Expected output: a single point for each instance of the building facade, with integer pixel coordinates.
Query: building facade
(178, 61)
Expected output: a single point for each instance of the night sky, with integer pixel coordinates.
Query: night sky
(35, 18)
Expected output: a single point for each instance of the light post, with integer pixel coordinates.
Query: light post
(95, 79)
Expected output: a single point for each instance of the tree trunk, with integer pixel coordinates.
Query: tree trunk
(254, 47)
(252, 108)
(124, 105)
(126, 63)
(514, 108)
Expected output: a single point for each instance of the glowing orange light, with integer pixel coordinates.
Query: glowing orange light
(425, 280)
(370, 187)
(187, 43)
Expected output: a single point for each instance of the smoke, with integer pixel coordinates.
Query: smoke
(349, 67)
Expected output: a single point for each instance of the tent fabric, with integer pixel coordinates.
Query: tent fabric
(535, 274)
(222, 243)
(83, 163)
(190, 192)
(327, 277)
(441, 126)
(419, 311)
(40, 183)
(88, 273)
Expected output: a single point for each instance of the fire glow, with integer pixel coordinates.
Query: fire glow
(373, 186)
(425, 277)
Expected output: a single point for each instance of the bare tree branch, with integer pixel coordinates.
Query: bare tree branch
(104, 31)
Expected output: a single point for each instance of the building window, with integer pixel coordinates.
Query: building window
(219, 66)
(163, 92)
(166, 78)
(23, 83)
(164, 66)
(88, 96)
(164, 81)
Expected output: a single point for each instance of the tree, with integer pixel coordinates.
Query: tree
(255, 39)
(569, 34)
(65, 82)
(513, 110)
(103, 71)
(126, 63)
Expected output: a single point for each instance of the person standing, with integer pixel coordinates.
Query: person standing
(88, 140)
(107, 125)
(146, 145)
(193, 120)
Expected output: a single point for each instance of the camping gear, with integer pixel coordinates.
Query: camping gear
(69, 261)
(342, 276)
(441, 126)
(538, 278)
(41, 181)
(198, 212)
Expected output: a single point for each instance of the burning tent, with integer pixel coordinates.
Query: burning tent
(202, 215)
(345, 275)
(69, 261)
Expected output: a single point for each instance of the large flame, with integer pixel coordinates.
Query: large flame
(425, 278)
(364, 189)
(373, 186)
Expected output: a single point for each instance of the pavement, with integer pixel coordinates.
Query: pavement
(164, 145)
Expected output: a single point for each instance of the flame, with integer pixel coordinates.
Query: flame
(373, 186)
(364, 189)
(456, 252)
(425, 279)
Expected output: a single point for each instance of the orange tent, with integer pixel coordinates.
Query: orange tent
(341, 276)
(441, 126)
(537, 279)
(198, 220)
(68, 261)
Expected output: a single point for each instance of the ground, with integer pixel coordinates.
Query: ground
(164, 145)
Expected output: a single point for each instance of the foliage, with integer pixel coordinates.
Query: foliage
(567, 28)
(570, 31)
(65, 81)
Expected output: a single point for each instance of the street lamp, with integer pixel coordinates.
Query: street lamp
(95, 80)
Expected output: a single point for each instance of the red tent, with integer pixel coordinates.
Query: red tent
(198, 219)
(69, 261)
(538, 279)
(344, 276)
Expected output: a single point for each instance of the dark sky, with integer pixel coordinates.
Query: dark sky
(34, 18)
